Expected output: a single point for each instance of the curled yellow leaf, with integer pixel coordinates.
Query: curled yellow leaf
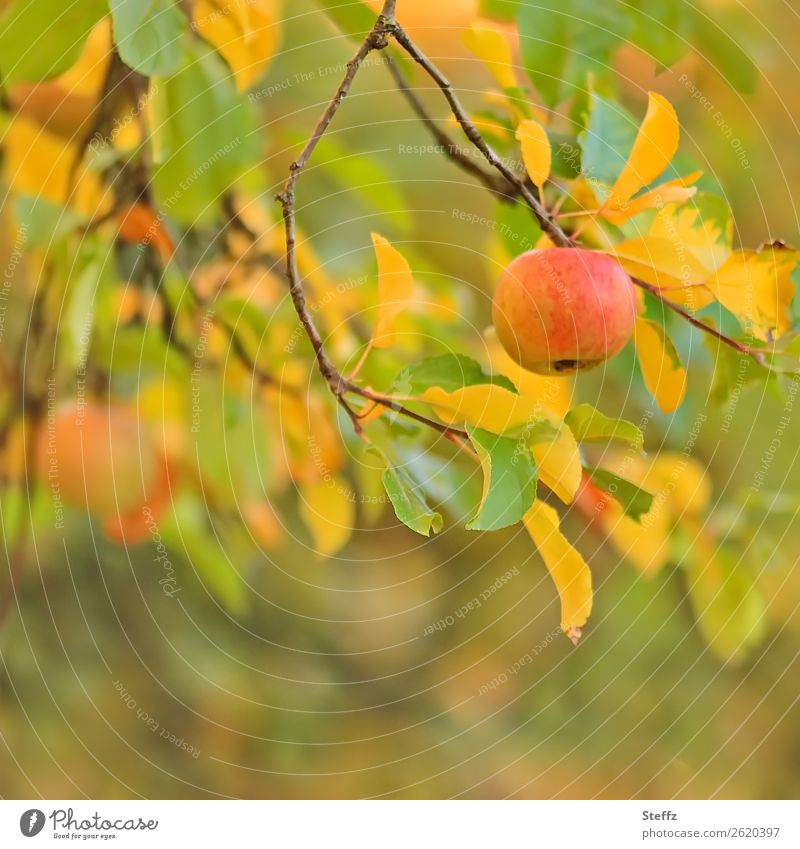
(395, 290)
(536, 151)
(568, 569)
(656, 143)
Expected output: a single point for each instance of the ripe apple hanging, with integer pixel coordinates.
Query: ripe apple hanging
(561, 310)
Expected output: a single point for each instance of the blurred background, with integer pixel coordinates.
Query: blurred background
(361, 676)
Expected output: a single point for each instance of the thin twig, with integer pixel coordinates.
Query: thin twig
(391, 404)
(376, 39)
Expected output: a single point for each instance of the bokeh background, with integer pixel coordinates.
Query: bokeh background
(334, 684)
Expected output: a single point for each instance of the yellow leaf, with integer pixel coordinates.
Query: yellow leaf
(656, 143)
(395, 290)
(311, 444)
(660, 261)
(567, 567)
(327, 508)
(245, 33)
(663, 372)
(86, 76)
(757, 288)
(536, 151)
(498, 410)
(646, 543)
(708, 238)
(487, 405)
(492, 48)
(676, 191)
(39, 163)
(558, 457)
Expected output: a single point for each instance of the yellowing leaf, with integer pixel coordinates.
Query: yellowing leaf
(757, 288)
(567, 567)
(536, 151)
(704, 228)
(683, 480)
(492, 48)
(655, 145)
(327, 508)
(85, 77)
(663, 372)
(680, 487)
(311, 445)
(39, 163)
(395, 290)
(645, 543)
(676, 191)
(245, 33)
(729, 605)
(498, 410)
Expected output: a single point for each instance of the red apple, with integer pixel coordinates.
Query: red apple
(559, 310)
(97, 458)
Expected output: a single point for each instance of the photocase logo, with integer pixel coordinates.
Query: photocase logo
(31, 822)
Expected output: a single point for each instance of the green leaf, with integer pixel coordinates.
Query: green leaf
(727, 602)
(447, 371)
(500, 10)
(40, 39)
(509, 480)
(185, 530)
(590, 425)
(544, 40)
(352, 17)
(634, 501)
(76, 329)
(517, 229)
(607, 140)
(409, 502)
(566, 155)
(659, 35)
(713, 38)
(249, 324)
(455, 488)
(203, 139)
(731, 371)
(148, 34)
(562, 42)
